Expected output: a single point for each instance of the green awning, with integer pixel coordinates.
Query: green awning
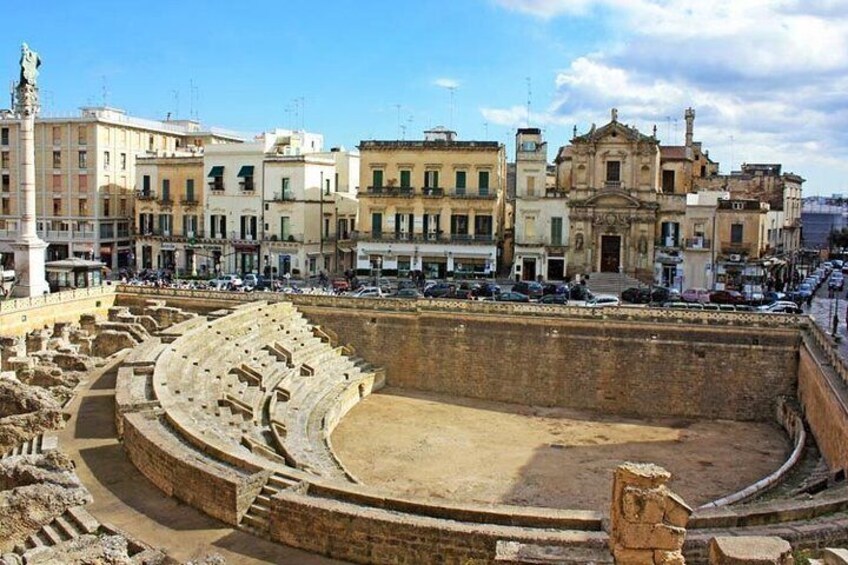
(217, 171)
(246, 171)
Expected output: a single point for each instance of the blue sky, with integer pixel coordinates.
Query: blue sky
(768, 78)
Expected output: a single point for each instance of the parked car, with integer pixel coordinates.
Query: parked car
(579, 292)
(440, 290)
(408, 293)
(487, 290)
(465, 291)
(695, 295)
(369, 292)
(786, 309)
(529, 288)
(636, 295)
(340, 284)
(662, 294)
(727, 297)
(780, 304)
(224, 282)
(836, 282)
(805, 290)
(600, 300)
(561, 299)
(512, 296)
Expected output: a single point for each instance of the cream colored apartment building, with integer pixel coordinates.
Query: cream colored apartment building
(434, 206)
(85, 179)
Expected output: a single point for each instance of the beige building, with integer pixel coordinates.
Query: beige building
(85, 178)
(169, 208)
(741, 244)
(434, 206)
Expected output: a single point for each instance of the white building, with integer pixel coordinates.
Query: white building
(541, 213)
(273, 206)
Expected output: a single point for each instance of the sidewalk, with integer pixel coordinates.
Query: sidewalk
(124, 498)
(822, 311)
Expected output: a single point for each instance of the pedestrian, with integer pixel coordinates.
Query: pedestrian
(810, 300)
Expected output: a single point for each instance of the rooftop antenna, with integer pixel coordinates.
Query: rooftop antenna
(302, 112)
(668, 127)
(529, 98)
(397, 107)
(486, 130)
(191, 91)
(731, 153)
(452, 90)
(176, 94)
(675, 129)
(104, 92)
(12, 95)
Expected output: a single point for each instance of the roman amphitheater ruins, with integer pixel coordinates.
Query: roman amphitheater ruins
(144, 425)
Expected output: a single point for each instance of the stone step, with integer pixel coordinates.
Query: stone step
(259, 510)
(51, 534)
(84, 522)
(834, 556)
(258, 522)
(280, 482)
(66, 528)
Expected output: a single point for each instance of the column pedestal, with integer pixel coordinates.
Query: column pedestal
(29, 266)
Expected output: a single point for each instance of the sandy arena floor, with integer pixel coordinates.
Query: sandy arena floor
(463, 450)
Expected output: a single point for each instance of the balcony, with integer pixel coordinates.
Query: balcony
(166, 202)
(432, 192)
(422, 237)
(189, 202)
(552, 192)
(283, 197)
(145, 195)
(697, 244)
(247, 185)
(667, 243)
(613, 185)
(736, 248)
(216, 185)
(390, 191)
(482, 193)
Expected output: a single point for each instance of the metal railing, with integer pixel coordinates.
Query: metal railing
(422, 237)
(216, 185)
(697, 243)
(145, 195)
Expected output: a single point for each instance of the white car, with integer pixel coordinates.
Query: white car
(225, 281)
(601, 300)
(369, 292)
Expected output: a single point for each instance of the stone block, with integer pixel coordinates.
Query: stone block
(750, 550)
(646, 506)
(645, 475)
(669, 558)
(833, 556)
(108, 342)
(651, 536)
(633, 556)
(677, 512)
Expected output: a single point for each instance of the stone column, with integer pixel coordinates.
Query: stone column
(29, 249)
(647, 520)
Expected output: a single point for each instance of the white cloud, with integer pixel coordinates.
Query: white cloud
(446, 83)
(772, 75)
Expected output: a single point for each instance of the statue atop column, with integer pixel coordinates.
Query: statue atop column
(27, 89)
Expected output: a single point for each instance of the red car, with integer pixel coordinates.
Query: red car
(341, 285)
(727, 297)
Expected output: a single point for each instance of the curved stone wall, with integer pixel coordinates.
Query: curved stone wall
(236, 466)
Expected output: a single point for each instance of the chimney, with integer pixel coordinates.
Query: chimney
(689, 115)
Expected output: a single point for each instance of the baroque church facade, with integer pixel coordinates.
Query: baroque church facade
(627, 199)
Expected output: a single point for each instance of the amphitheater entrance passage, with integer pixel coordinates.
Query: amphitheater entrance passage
(610, 253)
